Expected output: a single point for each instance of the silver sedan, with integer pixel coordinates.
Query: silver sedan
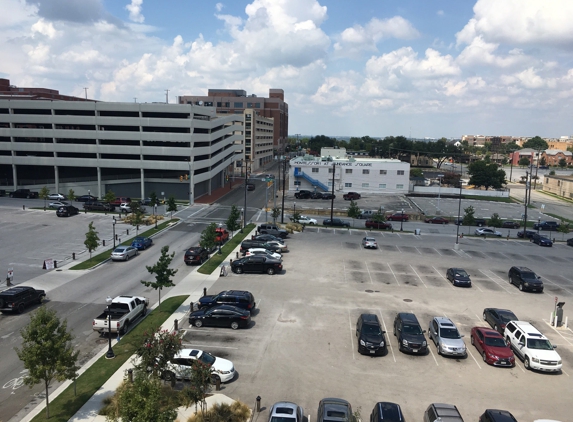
(123, 253)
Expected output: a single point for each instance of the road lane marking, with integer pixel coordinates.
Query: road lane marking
(369, 275)
(351, 339)
(471, 354)
(388, 336)
(419, 277)
(396, 278)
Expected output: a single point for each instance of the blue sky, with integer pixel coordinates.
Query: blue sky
(349, 68)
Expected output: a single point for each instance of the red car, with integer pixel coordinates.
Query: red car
(492, 347)
(398, 217)
(437, 220)
(371, 224)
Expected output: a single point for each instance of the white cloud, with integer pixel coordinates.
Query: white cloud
(44, 28)
(479, 52)
(134, 9)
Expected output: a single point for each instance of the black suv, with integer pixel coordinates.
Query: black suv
(303, 194)
(525, 279)
(386, 412)
(334, 410)
(272, 229)
(18, 298)
(249, 244)
(546, 225)
(67, 211)
(98, 206)
(494, 415)
(239, 298)
(409, 333)
(195, 255)
(335, 222)
(370, 335)
(439, 411)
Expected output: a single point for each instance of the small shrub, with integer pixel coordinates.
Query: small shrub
(223, 412)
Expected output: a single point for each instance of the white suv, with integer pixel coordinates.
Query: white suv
(532, 347)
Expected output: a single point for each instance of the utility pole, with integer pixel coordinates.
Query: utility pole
(525, 202)
(284, 180)
(166, 96)
(332, 200)
(86, 91)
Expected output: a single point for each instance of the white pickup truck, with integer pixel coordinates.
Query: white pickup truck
(532, 347)
(124, 310)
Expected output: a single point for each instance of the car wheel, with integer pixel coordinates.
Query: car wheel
(125, 327)
(526, 363)
(198, 323)
(239, 270)
(510, 280)
(520, 287)
(215, 378)
(1, 303)
(20, 308)
(127, 257)
(169, 377)
(270, 271)
(234, 325)
(484, 317)
(439, 349)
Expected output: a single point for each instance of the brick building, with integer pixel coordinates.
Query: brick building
(559, 185)
(12, 92)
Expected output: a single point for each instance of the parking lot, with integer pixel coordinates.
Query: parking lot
(302, 347)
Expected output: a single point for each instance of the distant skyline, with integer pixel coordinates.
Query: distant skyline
(413, 68)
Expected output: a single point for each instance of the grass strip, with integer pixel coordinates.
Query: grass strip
(99, 258)
(508, 200)
(67, 404)
(559, 217)
(216, 259)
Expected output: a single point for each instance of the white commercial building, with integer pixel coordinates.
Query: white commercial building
(130, 148)
(362, 175)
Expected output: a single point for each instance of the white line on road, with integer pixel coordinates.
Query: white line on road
(432, 353)
(471, 354)
(351, 339)
(395, 278)
(369, 275)
(419, 277)
(388, 335)
(187, 345)
(483, 272)
(447, 281)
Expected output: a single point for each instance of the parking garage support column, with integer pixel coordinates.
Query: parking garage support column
(142, 179)
(56, 179)
(15, 176)
(99, 189)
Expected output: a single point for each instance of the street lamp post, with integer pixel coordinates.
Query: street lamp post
(456, 246)
(109, 354)
(538, 223)
(402, 220)
(439, 192)
(113, 232)
(294, 209)
(242, 211)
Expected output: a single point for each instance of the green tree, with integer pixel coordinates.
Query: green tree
(44, 192)
(137, 216)
(562, 164)
(469, 217)
(171, 205)
(295, 217)
(47, 351)
(233, 222)
(275, 213)
(208, 237)
(354, 211)
(563, 229)
(495, 221)
(451, 179)
(157, 349)
(200, 380)
(71, 195)
(486, 175)
(162, 272)
(153, 202)
(416, 172)
(109, 196)
(524, 162)
(92, 239)
(543, 162)
(379, 217)
(537, 143)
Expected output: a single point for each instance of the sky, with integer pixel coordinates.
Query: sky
(416, 68)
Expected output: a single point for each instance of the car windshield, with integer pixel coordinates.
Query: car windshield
(370, 239)
(371, 330)
(528, 275)
(540, 344)
(282, 419)
(119, 250)
(506, 317)
(495, 342)
(207, 358)
(461, 273)
(138, 239)
(449, 333)
(412, 329)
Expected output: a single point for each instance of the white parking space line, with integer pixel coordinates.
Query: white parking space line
(553, 328)
(387, 335)
(344, 266)
(517, 363)
(472, 355)
(544, 278)
(419, 277)
(500, 285)
(398, 248)
(351, 339)
(190, 345)
(437, 251)
(440, 275)
(395, 278)
(369, 275)
(418, 250)
(432, 353)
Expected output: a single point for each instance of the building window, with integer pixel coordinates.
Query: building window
(330, 169)
(315, 170)
(364, 171)
(297, 182)
(238, 105)
(348, 171)
(348, 185)
(383, 172)
(399, 186)
(382, 185)
(329, 184)
(400, 172)
(365, 185)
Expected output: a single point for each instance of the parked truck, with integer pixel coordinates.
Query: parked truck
(24, 193)
(124, 310)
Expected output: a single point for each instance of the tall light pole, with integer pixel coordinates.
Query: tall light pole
(294, 208)
(439, 192)
(284, 184)
(109, 354)
(246, 181)
(402, 221)
(457, 245)
(114, 232)
(332, 199)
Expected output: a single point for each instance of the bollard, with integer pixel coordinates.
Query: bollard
(55, 264)
(217, 384)
(85, 210)
(258, 403)
(237, 254)
(127, 232)
(230, 262)
(176, 325)
(103, 242)
(73, 256)
(116, 237)
(130, 375)
(24, 207)
(8, 283)
(204, 291)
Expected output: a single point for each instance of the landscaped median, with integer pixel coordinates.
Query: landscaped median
(101, 257)
(216, 259)
(63, 407)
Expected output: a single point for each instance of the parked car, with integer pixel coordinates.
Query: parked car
(268, 238)
(303, 219)
(398, 217)
(335, 222)
(181, 366)
(445, 335)
(386, 412)
(316, 195)
(458, 277)
(123, 253)
(256, 264)
(124, 207)
(57, 204)
(494, 415)
(118, 200)
(369, 243)
(436, 220)
(498, 318)
(334, 410)
(409, 334)
(487, 232)
(277, 244)
(532, 347)
(249, 244)
(442, 412)
(479, 222)
(546, 225)
(24, 193)
(98, 206)
(57, 196)
(525, 279)
(85, 198)
(18, 298)
(250, 186)
(382, 225)
(285, 411)
(195, 255)
(238, 298)
(492, 347)
(370, 335)
(351, 196)
(120, 314)
(541, 240)
(528, 233)
(220, 316)
(510, 225)
(570, 242)
(141, 243)
(263, 252)
(272, 229)
(67, 211)
(328, 195)
(303, 194)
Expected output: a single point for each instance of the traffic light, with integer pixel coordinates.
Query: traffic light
(180, 178)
